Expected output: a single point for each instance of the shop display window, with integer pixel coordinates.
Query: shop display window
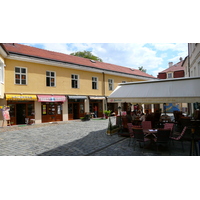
(12, 110)
(31, 111)
(81, 108)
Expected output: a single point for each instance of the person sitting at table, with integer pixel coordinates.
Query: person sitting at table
(142, 117)
(134, 115)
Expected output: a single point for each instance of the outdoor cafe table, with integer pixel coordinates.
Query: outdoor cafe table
(150, 132)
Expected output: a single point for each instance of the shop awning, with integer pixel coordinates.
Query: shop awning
(77, 97)
(51, 98)
(18, 97)
(177, 90)
(97, 98)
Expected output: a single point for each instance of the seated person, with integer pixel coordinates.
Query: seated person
(142, 117)
(134, 115)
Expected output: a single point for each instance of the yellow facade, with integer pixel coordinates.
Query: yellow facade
(36, 85)
(36, 80)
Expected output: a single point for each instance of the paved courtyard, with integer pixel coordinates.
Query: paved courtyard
(73, 138)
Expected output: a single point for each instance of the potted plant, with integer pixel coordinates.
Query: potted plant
(107, 113)
(86, 117)
(112, 129)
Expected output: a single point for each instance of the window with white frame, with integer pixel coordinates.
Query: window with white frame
(170, 75)
(50, 79)
(110, 84)
(20, 75)
(94, 83)
(75, 80)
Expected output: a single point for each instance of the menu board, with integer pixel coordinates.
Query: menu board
(5, 113)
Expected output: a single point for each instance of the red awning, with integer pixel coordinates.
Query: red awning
(51, 98)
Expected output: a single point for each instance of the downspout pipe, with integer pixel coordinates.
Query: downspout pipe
(104, 90)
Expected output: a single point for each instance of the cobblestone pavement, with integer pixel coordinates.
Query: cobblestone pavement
(73, 138)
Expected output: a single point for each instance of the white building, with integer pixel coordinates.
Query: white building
(193, 65)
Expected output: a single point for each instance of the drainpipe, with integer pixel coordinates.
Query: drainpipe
(188, 60)
(103, 84)
(104, 91)
(190, 105)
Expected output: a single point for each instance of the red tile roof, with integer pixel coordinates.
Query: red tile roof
(173, 68)
(51, 55)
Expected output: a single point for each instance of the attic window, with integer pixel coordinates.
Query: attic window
(132, 69)
(93, 61)
(169, 75)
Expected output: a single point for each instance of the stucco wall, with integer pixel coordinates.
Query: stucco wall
(36, 80)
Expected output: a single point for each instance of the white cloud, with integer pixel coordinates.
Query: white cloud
(163, 46)
(182, 47)
(132, 55)
(58, 47)
(153, 57)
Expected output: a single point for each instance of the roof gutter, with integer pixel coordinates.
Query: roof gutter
(3, 50)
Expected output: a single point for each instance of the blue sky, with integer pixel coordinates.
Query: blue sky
(154, 57)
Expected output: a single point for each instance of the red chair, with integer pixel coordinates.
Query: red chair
(146, 125)
(180, 137)
(169, 126)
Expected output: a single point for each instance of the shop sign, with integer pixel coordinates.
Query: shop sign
(48, 98)
(21, 97)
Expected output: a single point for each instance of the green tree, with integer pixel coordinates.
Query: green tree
(86, 54)
(142, 69)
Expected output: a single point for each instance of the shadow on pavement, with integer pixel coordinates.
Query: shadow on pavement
(93, 142)
(96, 144)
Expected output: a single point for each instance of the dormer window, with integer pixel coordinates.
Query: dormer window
(169, 75)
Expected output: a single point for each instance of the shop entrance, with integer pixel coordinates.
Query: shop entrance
(76, 111)
(51, 112)
(20, 110)
(96, 105)
(21, 113)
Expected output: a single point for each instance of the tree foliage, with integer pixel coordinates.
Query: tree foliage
(86, 54)
(142, 69)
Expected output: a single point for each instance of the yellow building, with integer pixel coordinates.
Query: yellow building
(3, 54)
(46, 86)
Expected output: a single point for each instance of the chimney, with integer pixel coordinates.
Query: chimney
(181, 59)
(170, 64)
